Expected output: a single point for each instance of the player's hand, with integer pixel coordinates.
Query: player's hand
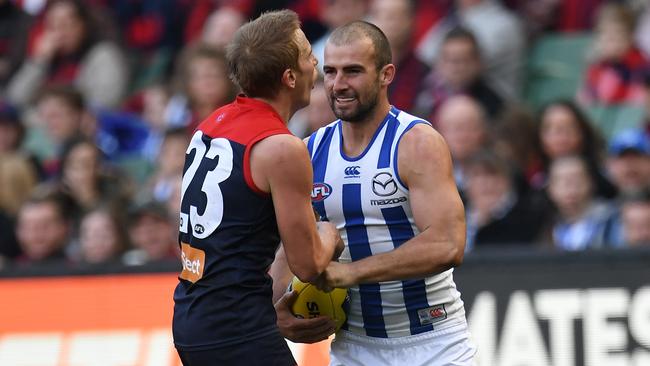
(325, 229)
(301, 330)
(335, 275)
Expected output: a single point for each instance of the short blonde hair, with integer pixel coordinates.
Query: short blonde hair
(262, 50)
(17, 180)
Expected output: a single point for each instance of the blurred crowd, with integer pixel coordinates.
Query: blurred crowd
(99, 98)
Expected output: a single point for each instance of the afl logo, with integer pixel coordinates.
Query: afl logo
(320, 191)
(383, 184)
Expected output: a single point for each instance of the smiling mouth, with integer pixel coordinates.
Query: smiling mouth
(346, 100)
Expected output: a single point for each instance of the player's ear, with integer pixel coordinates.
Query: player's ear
(386, 74)
(289, 78)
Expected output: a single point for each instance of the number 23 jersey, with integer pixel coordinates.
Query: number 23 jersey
(228, 232)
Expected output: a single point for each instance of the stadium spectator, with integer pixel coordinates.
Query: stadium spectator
(628, 163)
(500, 36)
(581, 221)
(458, 70)
(461, 121)
(635, 216)
(496, 214)
(12, 130)
(45, 225)
(564, 130)
(61, 114)
(220, 27)
(152, 234)
(17, 179)
(102, 236)
(14, 26)
(152, 107)
(68, 50)
(396, 18)
(169, 166)
(12, 136)
(616, 74)
(203, 84)
(515, 139)
(84, 177)
(333, 14)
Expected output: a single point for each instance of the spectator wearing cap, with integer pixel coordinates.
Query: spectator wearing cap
(628, 163)
(152, 233)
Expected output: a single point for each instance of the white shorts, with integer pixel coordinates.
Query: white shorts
(448, 346)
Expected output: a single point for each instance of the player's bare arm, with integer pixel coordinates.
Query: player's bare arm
(280, 165)
(437, 210)
(297, 330)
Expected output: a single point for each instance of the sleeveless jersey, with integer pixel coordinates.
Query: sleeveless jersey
(228, 232)
(365, 198)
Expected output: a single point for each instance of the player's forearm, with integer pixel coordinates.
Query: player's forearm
(419, 257)
(280, 273)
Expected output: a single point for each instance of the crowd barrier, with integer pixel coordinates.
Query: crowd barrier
(524, 309)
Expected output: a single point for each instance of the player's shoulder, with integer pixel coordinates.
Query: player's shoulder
(420, 138)
(280, 148)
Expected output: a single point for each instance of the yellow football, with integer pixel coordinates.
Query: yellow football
(312, 302)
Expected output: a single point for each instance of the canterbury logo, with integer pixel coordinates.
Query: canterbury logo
(193, 261)
(383, 184)
(352, 171)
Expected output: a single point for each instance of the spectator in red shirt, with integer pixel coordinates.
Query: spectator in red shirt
(617, 72)
(69, 51)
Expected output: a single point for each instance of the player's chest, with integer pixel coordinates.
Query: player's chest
(353, 190)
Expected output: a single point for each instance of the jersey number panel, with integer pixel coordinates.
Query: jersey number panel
(212, 164)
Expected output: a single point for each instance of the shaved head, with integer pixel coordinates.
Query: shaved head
(352, 32)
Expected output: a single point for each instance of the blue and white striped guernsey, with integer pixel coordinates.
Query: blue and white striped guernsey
(369, 204)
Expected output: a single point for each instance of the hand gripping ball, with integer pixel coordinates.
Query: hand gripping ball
(312, 302)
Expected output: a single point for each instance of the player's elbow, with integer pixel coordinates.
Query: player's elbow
(308, 269)
(306, 274)
(457, 249)
(456, 256)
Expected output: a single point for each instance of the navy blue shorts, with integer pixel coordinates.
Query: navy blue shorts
(266, 351)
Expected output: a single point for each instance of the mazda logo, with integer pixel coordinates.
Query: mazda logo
(383, 184)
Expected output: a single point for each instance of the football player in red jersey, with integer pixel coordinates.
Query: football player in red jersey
(246, 186)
